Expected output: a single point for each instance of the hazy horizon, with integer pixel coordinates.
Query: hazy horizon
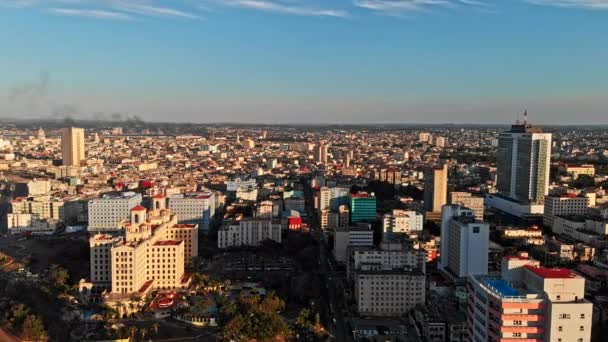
(301, 62)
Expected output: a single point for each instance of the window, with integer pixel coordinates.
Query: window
(582, 316)
(564, 316)
(560, 328)
(475, 230)
(581, 328)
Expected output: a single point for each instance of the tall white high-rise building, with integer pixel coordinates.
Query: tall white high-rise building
(72, 146)
(523, 161)
(464, 242)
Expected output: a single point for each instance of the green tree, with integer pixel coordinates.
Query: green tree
(303, 319)
(33, 329)
(257, 319)
(58, 277)
(583, 181)
(17, 316)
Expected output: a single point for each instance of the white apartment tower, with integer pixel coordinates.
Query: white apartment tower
(523, 161)
(106, 213)
(464, 242)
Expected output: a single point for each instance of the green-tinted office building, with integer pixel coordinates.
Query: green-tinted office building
(362, 208)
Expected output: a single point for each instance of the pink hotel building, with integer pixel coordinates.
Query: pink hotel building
(529, 303)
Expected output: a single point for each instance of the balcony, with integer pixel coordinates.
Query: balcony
(522, 305)
(522, 329)
(524, 318)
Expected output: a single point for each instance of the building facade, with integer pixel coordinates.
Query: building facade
(194, 207)
(152, 253)
(467, 199)
(248, 232)
(523, 161)
(362, 208)
(435, 191)
(402, 221)
(529, 303)
(106, 213)
(72, 146)
(464, 242)
(569, 204)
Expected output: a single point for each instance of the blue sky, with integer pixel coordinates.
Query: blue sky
(306, 61)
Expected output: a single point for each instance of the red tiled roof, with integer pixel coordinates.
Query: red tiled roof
(138, 208)
(145, 286)
(183, 225)
(159, 196)
(167, 243)
(185, 278)
(551, 273)
(519, 257)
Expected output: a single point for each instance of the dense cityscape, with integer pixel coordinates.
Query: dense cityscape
(126, 230)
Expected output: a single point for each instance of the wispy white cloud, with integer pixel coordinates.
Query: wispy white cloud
(583, 4)
(91, 13)
(147, 9)
(286, 7)
(397, 7)
(111, 9)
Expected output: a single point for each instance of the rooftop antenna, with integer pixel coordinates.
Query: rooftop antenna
(525, 117)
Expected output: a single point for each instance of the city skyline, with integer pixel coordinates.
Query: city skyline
(294, 62)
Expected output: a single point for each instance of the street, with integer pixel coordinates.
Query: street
(333, 297)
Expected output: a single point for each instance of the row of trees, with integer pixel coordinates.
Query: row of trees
(22, 322)
(255, 318)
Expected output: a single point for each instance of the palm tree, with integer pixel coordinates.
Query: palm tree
(143, 332)
(120, 306)
(131, 307)
(155, 327)
(132, 332)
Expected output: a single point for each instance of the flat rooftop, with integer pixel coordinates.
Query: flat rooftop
(167, 243)
(118, 195)
(502, 287)
(551, 273)
(193, 195)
